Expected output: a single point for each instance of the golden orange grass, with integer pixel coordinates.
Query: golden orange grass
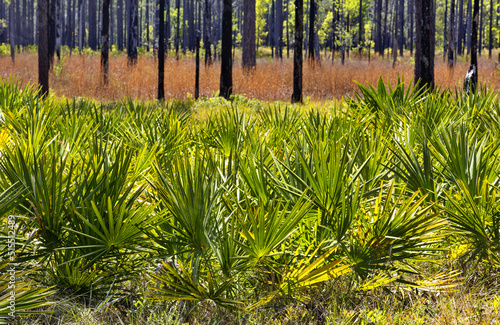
(79, 76)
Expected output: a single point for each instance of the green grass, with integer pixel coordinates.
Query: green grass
(373, 210)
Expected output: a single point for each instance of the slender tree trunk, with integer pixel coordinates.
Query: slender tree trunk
(177, 28)
(92, 24)
(12, 32)
(461, 30)
(52, 31)
(312, 20)
(147, 25)
(43, 49)
(469, 27)
(490, 45)
(473, 62)
(445, 46)
(412, 14)
(119, 24)
(249, 55)
(207, 16)
(105, 41)
(384, 40)
(395, 38)
(161, 52)
(133, 31)
(424, 54)
(297, 52)
(360, 29)
(197, 75)
(401, 33)
(378, 22)
(226, 75)
(81, 25)
(481, 28)
(278, 29)
(451, 35)
(287, 30)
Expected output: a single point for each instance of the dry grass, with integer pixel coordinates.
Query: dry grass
(79, 76)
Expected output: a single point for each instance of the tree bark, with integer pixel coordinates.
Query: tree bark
(297, 53)
(481, 29)
(92, 24)
(378, 22)
(360, 29)
(473, 62)
(445, 47)
(207, 16)
(278, 29)
(119, 24)
(132, 37)
(43, 49)
(226, 74)
(424, 52)
(312, 21)
(461, 30)
(161, 52)
(249, 55)
(12, 32)
(81, 24)
(401, 33)
(451, 35)
(105, 41)
(197, 73)
(469, 26)
(490, 45)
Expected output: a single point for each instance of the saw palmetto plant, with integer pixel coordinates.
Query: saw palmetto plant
(246, 205)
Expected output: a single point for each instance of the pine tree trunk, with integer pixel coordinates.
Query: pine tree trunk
(360, 29)
(43, 49)
(297, 55)
(161, 51)
(119, 24)
(401, 33)
(445, 47)
(132, 37)
(481, 29)
(81, 25)
(412, 13)
(384, 36)
(451, 35)
(461, 30)
(226, 74)
(52, 32)
(424, 52)
(490, 45)
(12, 32)
(474, 37)
(278, 29)
(312, 20)
(469, 26)
(92, 24)
(207, 16)
(248, 55)
(105, 41)
(378, 22)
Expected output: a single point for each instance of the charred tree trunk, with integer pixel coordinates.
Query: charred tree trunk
(470, 85)
(297, 53)
(480, 46)
(207, 16)
(161, 52)
(81, 25)
(12, 32)
(92, 24)
(197, 74)
(490, 45)
(52, 31)
(424, 54)
(226, 74)
(461, 29)
(119, 24)
(278, 29)
(378, 22)
(249, 55)
(412, 13)
(105, 41)
(43, 48)
(132, 37)
(451, 36)
(360, 36)
(312, 20)
(445, 47)
(401, 33)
